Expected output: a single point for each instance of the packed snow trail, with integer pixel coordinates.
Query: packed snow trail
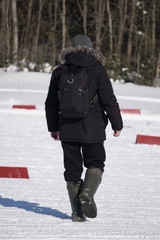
(128, 198)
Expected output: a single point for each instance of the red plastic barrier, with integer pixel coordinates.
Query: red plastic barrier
(151, 140)
(13, 172)
(25, 106)
(131, 111)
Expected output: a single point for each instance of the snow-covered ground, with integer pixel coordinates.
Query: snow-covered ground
(128, 198)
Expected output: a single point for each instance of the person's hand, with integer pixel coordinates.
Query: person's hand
(116, 133)
(55, 135)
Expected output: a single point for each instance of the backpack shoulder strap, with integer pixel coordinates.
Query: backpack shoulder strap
(63, 66)
(92, 65)
(95, 99)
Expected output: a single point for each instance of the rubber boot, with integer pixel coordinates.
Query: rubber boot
(89, 187)
(73, 192)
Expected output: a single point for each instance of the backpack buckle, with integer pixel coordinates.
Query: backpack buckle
(70, 81)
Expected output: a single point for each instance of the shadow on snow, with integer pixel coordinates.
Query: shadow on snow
(33, 207)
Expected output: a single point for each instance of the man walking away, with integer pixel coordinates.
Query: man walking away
(79, 103)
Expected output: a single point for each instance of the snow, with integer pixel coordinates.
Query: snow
(128, 198)
(140, 33)
(12, 68)
(26, 67)
(145, 12)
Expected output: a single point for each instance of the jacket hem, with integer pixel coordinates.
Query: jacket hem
(82, 141)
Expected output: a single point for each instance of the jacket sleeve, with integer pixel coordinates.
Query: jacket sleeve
(108, 100)
(52, 104)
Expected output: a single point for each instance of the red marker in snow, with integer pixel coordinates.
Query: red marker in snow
(13, 172)
(29, 107)
(151, 140)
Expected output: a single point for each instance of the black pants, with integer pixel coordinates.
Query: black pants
(77, 154)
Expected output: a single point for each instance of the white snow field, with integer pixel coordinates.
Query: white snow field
(128, 198)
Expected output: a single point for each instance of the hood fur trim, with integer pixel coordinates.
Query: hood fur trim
(96, 53)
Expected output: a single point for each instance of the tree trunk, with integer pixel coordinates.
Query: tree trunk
(37, 30)
(54, 32)
(153, 28)
(84, 14)
(99, 17)
(123, 16)
(145, 27)
(130, 37)
(7, 31)
(85, 17)
(26, 35)
(157, 80)
(4, 33)
(15, 31)
(139, 58)
(63, 24)
(110, 30)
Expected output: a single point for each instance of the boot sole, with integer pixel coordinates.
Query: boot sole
(88, 206)
(76, 218)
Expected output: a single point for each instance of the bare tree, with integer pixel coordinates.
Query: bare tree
(99, 17)
(145, 28)
(139, 54)
(130, 35)
(122, 21)
(27, 30)
(110, 30)
(15, 31)
(63, 24)
(83, 11)
(5, 32)
(153, 27)
(157, 80)
(52, 34)
(37, 29)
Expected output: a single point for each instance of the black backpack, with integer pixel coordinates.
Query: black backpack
(74, 93)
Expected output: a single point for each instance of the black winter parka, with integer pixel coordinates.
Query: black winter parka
(90, 129)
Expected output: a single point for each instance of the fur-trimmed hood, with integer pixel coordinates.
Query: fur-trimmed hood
(81, 56)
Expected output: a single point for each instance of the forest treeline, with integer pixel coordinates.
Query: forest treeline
(126, 31)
